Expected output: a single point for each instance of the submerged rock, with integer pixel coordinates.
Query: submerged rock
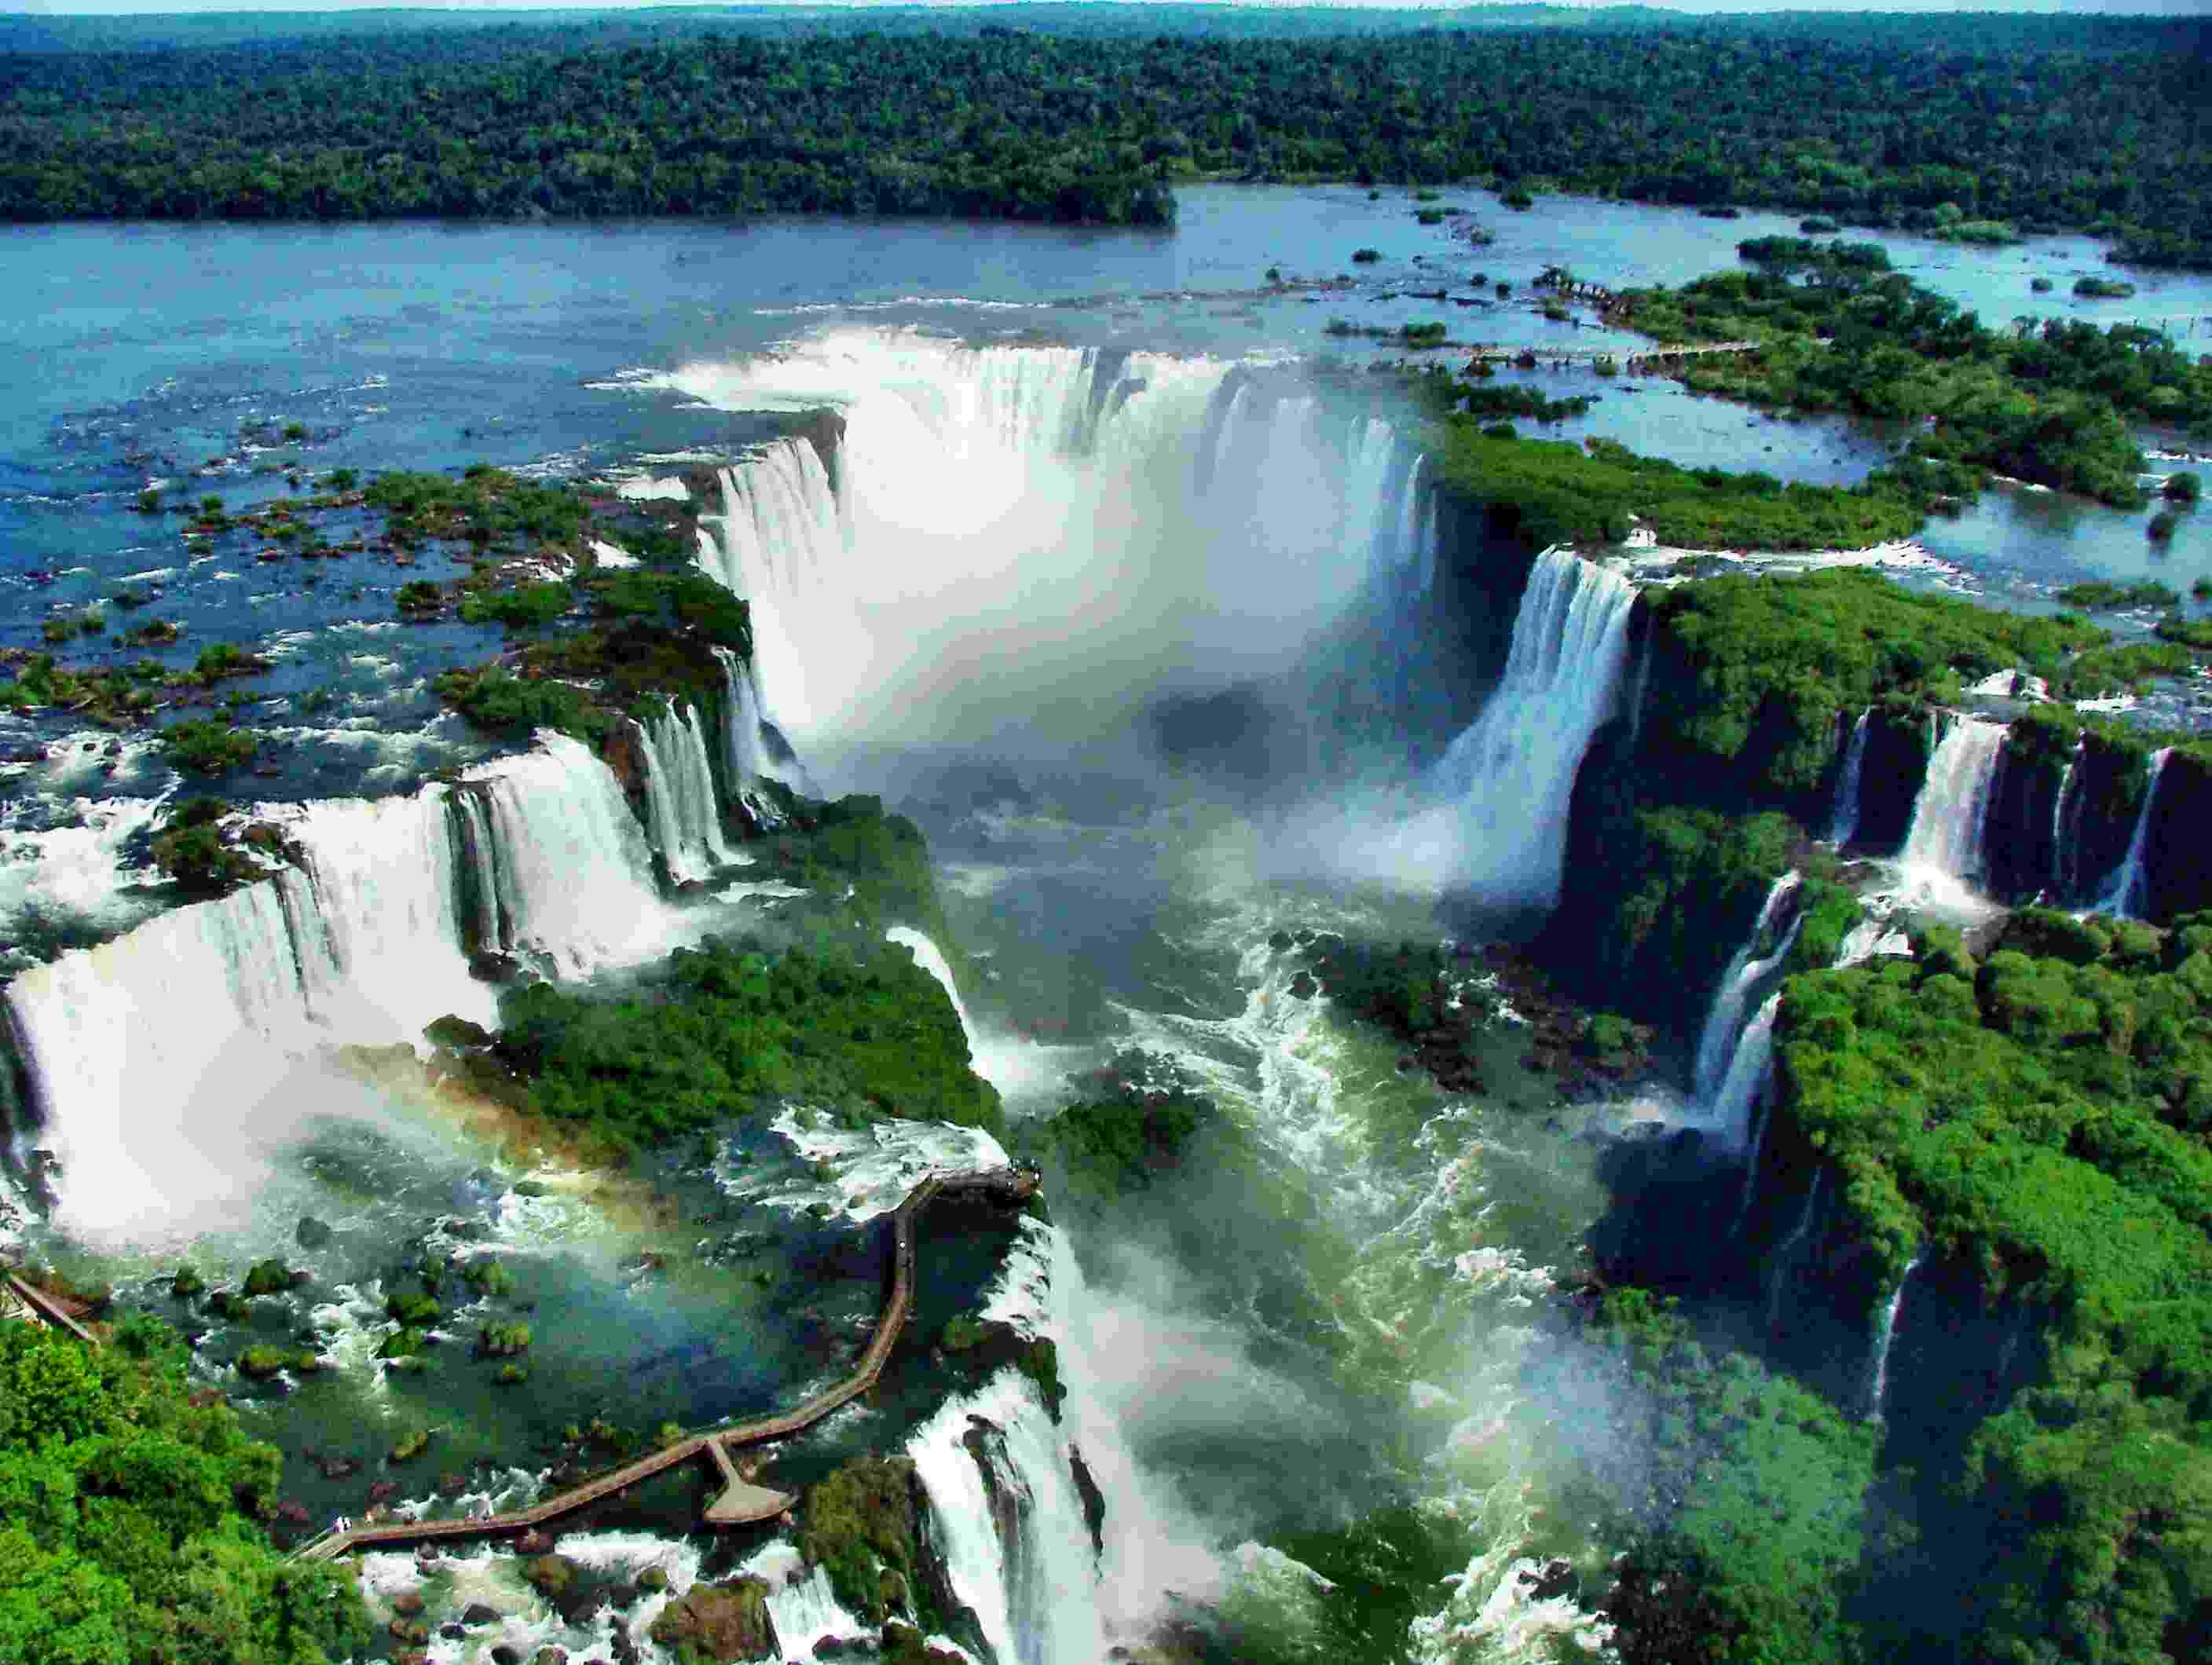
(311, 1233)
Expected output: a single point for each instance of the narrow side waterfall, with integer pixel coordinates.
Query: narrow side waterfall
(1734, 1100)
(2125, 892)
(1510, 774)
(1786, 1250)
(1716, 1042)
(686, 821)
(1945, 840)
(2060, 841)
(1755, 1058)
(1885, 1338)
(1843, 819)
(931, 958)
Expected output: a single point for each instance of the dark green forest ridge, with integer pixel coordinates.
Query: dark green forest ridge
(1058, 115)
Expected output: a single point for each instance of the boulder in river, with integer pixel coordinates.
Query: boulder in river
(726, 1622)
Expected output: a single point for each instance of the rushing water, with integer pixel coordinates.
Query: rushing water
(1078, 471)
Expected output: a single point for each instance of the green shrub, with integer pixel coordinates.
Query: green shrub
(203, 747)
(1365, 257)
(2182, 486)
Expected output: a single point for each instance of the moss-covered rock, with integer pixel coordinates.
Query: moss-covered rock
(268, 1277)
(725, 1623)
(550, 1576)
(859, 1523)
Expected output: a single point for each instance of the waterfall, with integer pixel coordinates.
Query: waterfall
(151, 1054)
(573, 872)
(680, 801)
(1717, 1043)
(1878, 1376)
(2124, 892)
(1007, 1510)
(1788, 1247)
(1753, 1065)
(1729, 1109)
(987, 501)
(1641, 687)
(1945, 835)
(782, 533)
(1512, 772)
(2058, 839)
(1843, 819)
(931, 958)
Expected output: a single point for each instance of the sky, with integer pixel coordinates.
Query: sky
(2165, 8)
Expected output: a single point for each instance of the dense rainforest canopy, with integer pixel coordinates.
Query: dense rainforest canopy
(2023, 122)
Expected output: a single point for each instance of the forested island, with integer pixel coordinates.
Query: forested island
(2029, 124)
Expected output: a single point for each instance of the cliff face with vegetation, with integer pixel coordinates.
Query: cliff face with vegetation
(1953, 1338)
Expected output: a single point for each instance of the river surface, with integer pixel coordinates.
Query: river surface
(1108, 905)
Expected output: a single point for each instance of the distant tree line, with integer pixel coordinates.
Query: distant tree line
(2098, 127)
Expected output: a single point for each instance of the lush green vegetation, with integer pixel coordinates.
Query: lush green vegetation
(206, 746)
(126, 1517)
(1746, 1522)
(2040, 1119)
(2048, 402)
(1552, 492)
(849, 1024)
(2036, 124)
(191, 850)
(646, 633)
(1773, 660)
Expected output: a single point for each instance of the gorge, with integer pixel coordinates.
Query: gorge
(1093, 702)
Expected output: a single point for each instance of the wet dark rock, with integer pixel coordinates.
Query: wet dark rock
(1304, 985)
(408, 1604)
(1280, 940)
(551, 1575)
(1553, 1579)
(479, 1613)
(311, 1233)
(454, 1631)
(503, 1654)
(382, 1490)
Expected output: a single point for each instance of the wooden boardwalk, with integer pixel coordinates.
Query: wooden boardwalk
(741, 1501)
(46, 1308)
(1652, 357)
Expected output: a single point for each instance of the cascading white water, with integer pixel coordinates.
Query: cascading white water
(2126, 890)
(386, 899)
(1509, 777)
(132, 1043)
(686, 823)
(1884, 1337)
(1717, 1043)
(1043, 1592)
(152, 1053)
(782, 534)
(1027, 1566)
(1843, 819)
(574, 875)
(931, 958)
(1944, 845)
(1729, 1109)
(1005, 548)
